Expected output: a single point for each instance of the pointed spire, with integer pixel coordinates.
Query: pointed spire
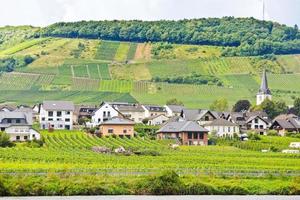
(264, 89)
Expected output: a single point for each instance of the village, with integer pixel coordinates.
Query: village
(187, 126)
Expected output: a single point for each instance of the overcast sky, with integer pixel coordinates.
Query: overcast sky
(45, 12)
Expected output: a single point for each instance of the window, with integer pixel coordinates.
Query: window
(201, 136)
(9, 121)
(190, 135)
(18, 121)
(43, 118)
(25, 137)
(67, 119)
(33, 135)
(50, 119)
(256, 121)
(195, 135)
(58, 114)
(256, 126)
(206, 118)
(108, 113)
(110, 130)
(17, 137)
(104, 114)
(228, 129)
(125, 131)
(50, 114)
(261, 127)
(67, 112)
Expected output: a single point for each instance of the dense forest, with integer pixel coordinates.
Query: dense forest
(239, 36)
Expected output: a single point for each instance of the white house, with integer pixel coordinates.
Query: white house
(157, 120)
(222, 127)
(257, 124)
(56, 115)
(103, 113)
(173, 110)
(18, 125)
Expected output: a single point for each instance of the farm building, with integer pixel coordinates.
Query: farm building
(18, 125)
(117, 126)
(187, 132)
(56, 115)
(222, 128)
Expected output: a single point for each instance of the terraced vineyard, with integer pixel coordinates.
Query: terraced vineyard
(71, 152)
(107, 50)
(116, 86)
(17, 81)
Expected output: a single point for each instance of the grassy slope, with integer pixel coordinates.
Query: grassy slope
(56, 58)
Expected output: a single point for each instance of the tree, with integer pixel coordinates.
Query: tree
(273, 108)
(5, 140)
(241, 105)
(297, 106)
(174, 102)
(28, 59)
(219, 105)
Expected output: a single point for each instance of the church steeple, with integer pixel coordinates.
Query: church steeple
(264, 88)
(264, 92)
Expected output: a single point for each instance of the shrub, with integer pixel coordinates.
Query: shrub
(200, 189)
(5, 140)
(272, 133)
(168, 183)
(35, 143)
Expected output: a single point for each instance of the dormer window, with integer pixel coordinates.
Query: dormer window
(9, 121)
(18, 121)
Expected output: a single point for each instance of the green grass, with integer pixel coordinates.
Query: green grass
(286, 82)
(291, 63)
(22, 46)
(193, 96)
(81, 71)
(17, 81)
(131, 51)
(116, 86)
(107, 50)
(104, 71)
(121, 54)
(85, 84)
(237, 81)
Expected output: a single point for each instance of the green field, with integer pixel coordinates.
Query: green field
(116, 86)
(107, 50)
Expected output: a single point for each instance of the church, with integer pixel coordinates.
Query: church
(264, 91)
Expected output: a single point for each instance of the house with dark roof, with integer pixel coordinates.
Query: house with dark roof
(117, 126)
(83, 112)
(222, 128)
(56, 115)
(132, 111)
(282, 126)
(200, 116)
(18, 125)
(151, 110)
(187, 132)
(173, 110)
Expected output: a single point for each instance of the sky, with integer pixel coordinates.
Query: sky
(45, 12)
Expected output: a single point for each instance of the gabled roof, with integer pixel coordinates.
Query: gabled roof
(130, 108)
(286, 116)
(58, 105)
(197, 114)
(118, 121)
(283, 124)
(220, 122)
(182, 126)
(256, 116)
(175, 108)
(264, 88)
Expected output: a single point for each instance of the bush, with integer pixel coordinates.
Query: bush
(5, 140)
(201, 189)
(254, 136)
(168, 183)
(272, 133)
(149, 152)
(35, 143)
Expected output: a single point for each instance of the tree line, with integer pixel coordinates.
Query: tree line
(240, 36)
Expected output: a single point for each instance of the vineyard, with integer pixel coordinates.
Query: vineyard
(70, 151)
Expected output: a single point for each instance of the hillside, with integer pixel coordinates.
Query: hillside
(91, 70)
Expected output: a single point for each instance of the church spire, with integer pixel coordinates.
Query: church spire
(264, 89)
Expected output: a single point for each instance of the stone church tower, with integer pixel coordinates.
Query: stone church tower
(264, 91)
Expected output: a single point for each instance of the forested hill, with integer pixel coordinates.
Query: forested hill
(240, 36)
